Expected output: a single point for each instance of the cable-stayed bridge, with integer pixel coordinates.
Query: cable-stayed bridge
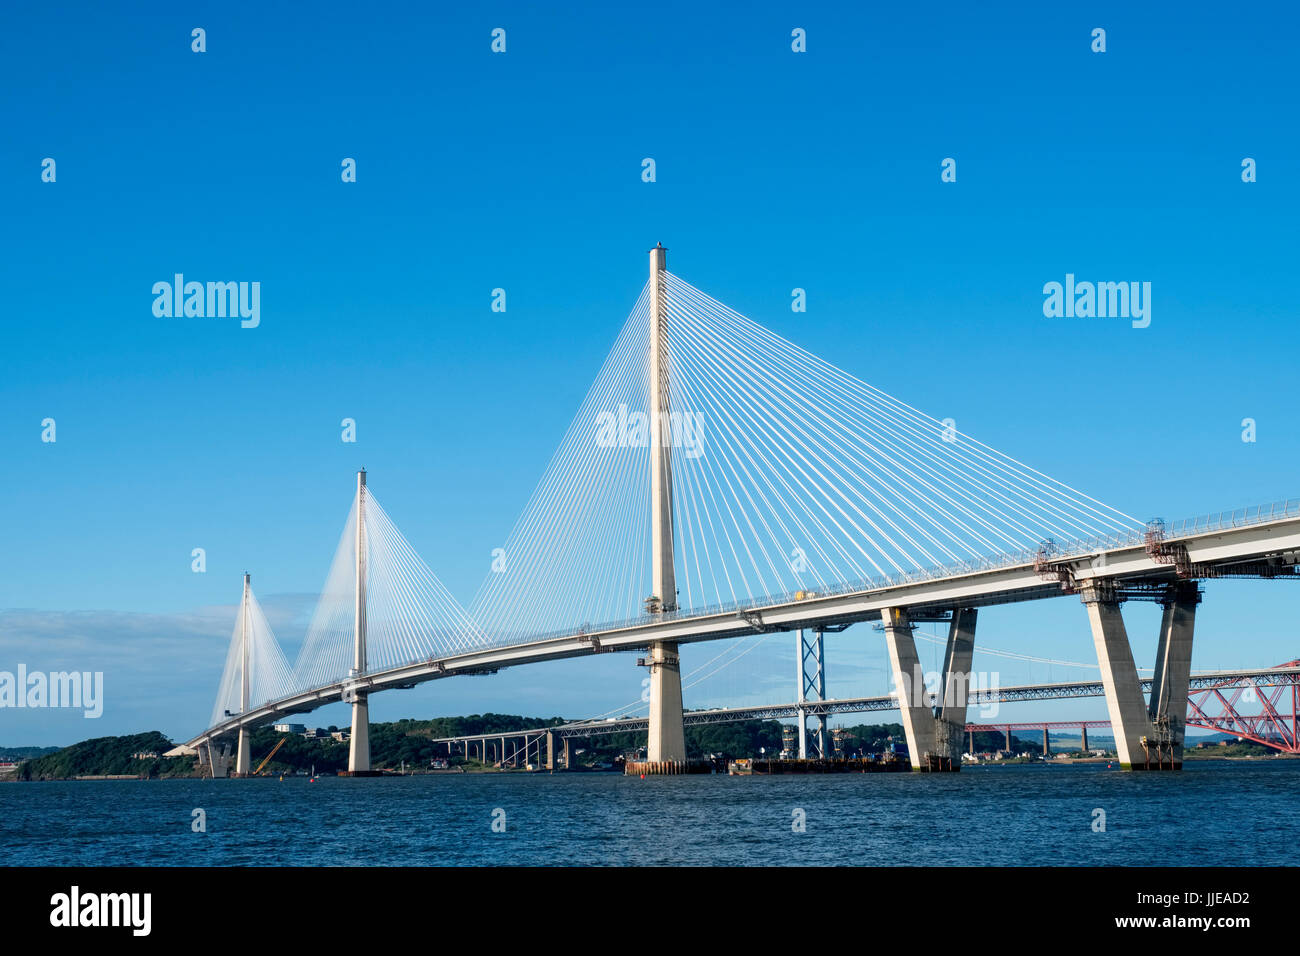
(719, 481)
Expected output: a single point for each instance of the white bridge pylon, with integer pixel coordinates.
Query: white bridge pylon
(786, 474)
(713, 465)
(409, 614)
(381, 607)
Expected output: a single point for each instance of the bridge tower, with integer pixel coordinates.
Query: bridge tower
(811, 662)
(359, 744)
(667, 739)
(244, 754)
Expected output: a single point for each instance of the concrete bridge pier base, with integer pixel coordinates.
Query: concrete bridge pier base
(1173, 671)
(1119, 676)
(217, 762)
(956, 681)
(359, 744)
(934, 735)
(1147, 736)
(667, 738)
(244, 754)
(909, 685)
(567, 745)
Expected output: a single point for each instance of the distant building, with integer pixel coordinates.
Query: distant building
(290, 728)
(145, 755)
(342, 735)
(315, 733)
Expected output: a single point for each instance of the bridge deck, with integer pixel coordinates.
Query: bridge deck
(1234, 543)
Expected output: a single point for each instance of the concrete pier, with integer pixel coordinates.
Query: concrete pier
(1119, 676)
(918, 720)
(956, 680)
(359, 744)
(1147, 735)
(218, 761)
(1173, 670)
(933, 739)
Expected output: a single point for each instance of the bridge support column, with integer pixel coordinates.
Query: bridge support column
(1172, 677)
(1119, 676)
(217, 761)
(1147, 735)
(811, 686)
(550, 750)
(243, 754)
(567, 744)
(667, 738)
(909, 686)
(1084, 744)
(359, 744)
(956, 682)
(801, 679)
(933, 735)
(1047, 746)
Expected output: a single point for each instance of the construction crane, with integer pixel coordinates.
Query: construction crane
(258, 771)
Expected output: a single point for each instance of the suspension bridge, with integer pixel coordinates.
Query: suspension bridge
(719, 481)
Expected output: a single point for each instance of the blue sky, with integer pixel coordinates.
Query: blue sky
(523, 171)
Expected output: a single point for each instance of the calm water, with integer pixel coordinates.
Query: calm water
(1237, 813)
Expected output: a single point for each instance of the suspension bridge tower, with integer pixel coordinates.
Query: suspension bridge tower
(244, 751)
(359, 743)
(667, 739)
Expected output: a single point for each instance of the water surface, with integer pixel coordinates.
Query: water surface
(1214, 812)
